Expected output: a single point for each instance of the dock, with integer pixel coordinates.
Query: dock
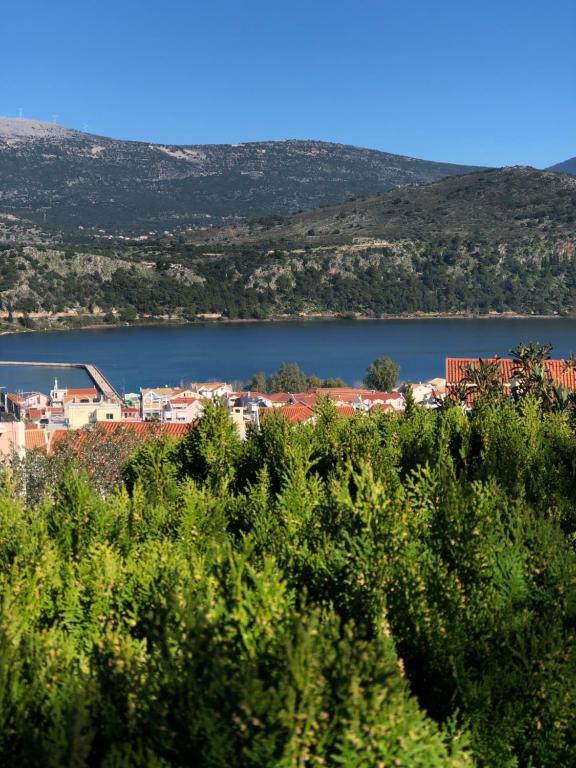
(100, 382)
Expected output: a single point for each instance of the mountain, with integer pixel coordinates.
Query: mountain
(568, 166)
(68, 179)
(515, 205)
(502, 240)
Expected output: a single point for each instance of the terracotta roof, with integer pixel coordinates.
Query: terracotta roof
(160, 391)
(15, 398)
(279, 397)
(294, 413)
(146, 429)
(86, 392)
(346, 410)
(455, 367)
(308, 399)
(208, 385)
(343, 393)
(384, 397)
(246, 393)
(141, 430)
(35, 438)
(35, 413)
(382, 407)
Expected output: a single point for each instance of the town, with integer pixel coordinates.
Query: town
(37, 421)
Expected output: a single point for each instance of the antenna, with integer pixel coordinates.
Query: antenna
(85, 127)
(55, 118)
(20, 111)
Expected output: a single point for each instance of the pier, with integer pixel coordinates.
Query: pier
(101, 383)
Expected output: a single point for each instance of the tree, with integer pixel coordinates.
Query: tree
(288, 378)
(258, 382)
(382, 374)
(332, 383)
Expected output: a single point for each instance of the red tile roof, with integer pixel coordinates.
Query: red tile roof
(308, 399)
(381, 407)
(34, 439)
(85, 392)
(346, 410)
(296, 413)
(455, 367)
(384, 397)
(279, 397)
(140, 430)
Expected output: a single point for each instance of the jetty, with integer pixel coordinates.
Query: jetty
(101, 383)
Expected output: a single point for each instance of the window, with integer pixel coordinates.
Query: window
(110, 416)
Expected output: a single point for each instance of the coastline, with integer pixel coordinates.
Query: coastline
(300, 318)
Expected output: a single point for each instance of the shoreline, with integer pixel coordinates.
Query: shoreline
(322, 318)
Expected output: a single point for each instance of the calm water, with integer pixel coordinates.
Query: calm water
(152, 356)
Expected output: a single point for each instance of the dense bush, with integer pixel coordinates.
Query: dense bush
(397, 590)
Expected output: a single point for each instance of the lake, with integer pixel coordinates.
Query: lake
(158, 355)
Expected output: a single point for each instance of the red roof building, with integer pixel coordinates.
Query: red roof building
(295, 414)
(559, 373)
(141, 431)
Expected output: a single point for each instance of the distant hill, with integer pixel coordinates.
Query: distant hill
(568, 166)
(501, 240)
(65, 178)
(507, 205)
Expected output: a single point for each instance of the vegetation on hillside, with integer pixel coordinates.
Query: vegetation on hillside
(68, 179)
(494, 241)
(388, 590)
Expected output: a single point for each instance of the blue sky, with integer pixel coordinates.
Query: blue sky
(476, 81)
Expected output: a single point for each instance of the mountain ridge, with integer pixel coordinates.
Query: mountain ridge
(68, 179)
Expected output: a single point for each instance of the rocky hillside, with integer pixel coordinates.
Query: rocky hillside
(66, 179)
(493, 241)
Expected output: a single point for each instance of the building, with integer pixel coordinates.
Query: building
(182, 410)
(81, 414)
(557, 370)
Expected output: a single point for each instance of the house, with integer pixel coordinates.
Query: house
(20, 404)
(295, 414)
(182, 410)
(280, 399)
(245, 408)
(388, 401)
(556, 369)
(154, 400)
(60, 395)
(80, 414)
(211, 390)
(130, 413)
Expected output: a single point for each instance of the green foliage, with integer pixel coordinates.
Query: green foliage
(388, 590)
(382, 374)
(288, 378)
